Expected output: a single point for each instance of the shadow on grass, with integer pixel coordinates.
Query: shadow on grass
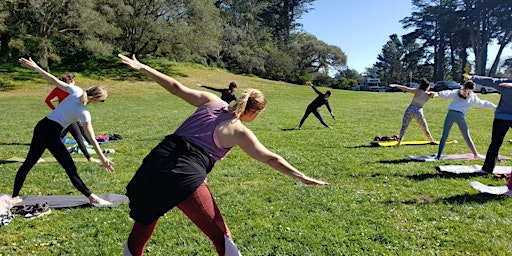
(289, 129)
(458, 199)
(364, 146)
(398, 161)
(7, 161)
(475, 198)
(14, 144)
(426, 176)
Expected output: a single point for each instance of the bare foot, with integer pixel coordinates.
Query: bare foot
(98, 202)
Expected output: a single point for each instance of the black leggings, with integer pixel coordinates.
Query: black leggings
(500, 128)
(77, 132)
(316, 113)
(47, 136)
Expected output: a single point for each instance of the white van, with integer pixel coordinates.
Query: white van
(484, 89)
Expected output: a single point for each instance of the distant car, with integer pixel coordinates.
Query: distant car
(412, 85)
(484, 89)
(392, 89)
(446, 85)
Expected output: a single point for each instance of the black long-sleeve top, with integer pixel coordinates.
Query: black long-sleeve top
(319, 101)
(226, 94)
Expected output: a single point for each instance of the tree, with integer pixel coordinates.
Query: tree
(389, 61)
(37, 27)
(504, 31)
(281, 16)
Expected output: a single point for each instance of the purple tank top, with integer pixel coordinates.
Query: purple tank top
(200, 128)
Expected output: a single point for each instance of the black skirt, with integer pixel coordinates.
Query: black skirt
(168, 175)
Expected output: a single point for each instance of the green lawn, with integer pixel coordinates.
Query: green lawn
(377, 203)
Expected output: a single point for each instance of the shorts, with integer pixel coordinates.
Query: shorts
(168, 175)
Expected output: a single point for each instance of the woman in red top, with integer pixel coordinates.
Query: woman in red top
(75, 129)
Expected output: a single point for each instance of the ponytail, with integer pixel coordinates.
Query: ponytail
(96, 92)
(252, 100)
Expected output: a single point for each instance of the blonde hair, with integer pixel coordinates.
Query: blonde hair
(251, 100)
(98, 93)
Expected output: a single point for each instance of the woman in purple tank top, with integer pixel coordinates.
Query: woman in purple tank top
(177, 167)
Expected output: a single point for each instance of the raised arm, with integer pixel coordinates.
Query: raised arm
(211, 88)
(403, 88)
(250, 144)
(194, 97)
(316, 90)
(29, 63)
(89, 131)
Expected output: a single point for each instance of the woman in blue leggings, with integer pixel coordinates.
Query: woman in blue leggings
(462, 100)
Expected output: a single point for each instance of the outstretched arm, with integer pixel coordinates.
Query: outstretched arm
(403, 88)
(211, 88)
(107, 164)
(250, 144)
(330, 110)
(314, 89)
(194, 97)
(506, 84)
(29, 63)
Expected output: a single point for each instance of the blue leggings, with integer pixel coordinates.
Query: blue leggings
(459, 118)
(417, 113)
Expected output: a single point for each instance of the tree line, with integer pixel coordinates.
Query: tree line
(261, 38)
(444, 32)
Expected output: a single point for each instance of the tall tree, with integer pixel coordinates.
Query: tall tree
(37, 27)
(389, 61)
(281, 16)
(503, 31)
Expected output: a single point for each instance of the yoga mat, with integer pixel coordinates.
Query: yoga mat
(493, 190)
(70, 201)
(469, 169)
(431, 158)
(42, 160)
(407, 142)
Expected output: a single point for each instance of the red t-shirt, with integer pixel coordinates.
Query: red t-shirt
(56, 92)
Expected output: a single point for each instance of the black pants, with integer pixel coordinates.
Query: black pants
(78, 133)
(316, 113)
(47, 136)
(499, 130)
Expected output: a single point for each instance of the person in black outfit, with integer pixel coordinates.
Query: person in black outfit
(317, 103)
(227, 95)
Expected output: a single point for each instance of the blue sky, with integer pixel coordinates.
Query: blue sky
(361, 28)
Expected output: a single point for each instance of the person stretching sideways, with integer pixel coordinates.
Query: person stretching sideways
(320, 100)
(462, 100)
(228, 95)
(76, 128)
(47, 133)
(502, 117)
(174, 172)
(415, 109)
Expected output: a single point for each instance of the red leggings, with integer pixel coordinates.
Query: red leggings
(201, 209)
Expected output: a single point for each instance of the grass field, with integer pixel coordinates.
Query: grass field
(377, 203)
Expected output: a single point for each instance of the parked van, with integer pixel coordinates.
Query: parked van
(484, 89)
